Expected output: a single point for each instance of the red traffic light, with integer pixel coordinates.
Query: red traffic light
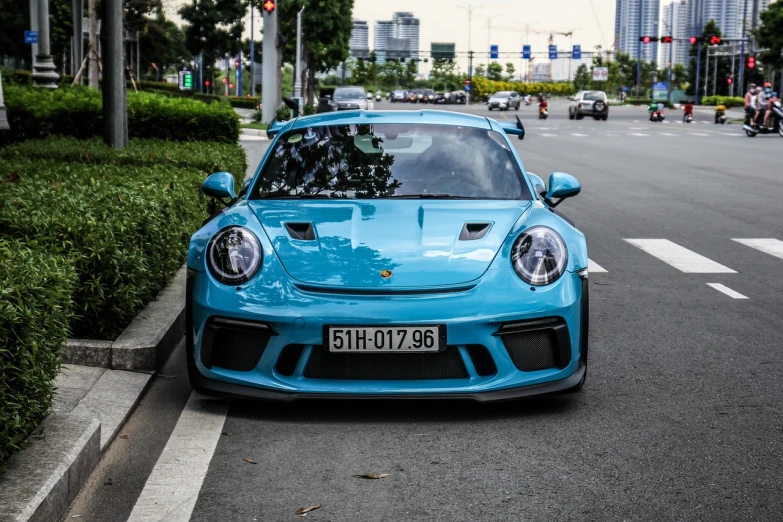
(645, 39)
(751, 62)
(206, 83)
(714, 40)
(667, 39)
(230, 85)
(268, 6)
(225, 80)
(693, 40)
(729, 80)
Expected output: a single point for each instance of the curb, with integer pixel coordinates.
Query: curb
(254, 132)
(44, 478)
(146, 343)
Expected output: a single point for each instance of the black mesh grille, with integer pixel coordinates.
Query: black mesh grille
(531, 351)
(288, 359)
(482, 360)
(385, 366)
(238, 350)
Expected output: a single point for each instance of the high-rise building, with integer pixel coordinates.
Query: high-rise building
(674, 22)
(635, 18)
(383, 31)
(403, 29)
(407, 27)
(728, 14)
(359, 43)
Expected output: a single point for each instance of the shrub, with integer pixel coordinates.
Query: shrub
(35, 310)
(123, 219)
(243, 103)
(483, 87)
(38, 113)
(728, 101)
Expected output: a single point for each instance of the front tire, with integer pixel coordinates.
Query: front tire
(571, 115)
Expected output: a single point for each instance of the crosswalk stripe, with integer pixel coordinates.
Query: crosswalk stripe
(579, 135)
(594, 267)
(638, 134)
(680, 257)
(726, 290)
(773, 247)
(173, 486)
(669, 134)
(549, 135)
(698, 134)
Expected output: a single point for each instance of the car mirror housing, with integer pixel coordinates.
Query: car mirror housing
(219, 185)
(562, 186)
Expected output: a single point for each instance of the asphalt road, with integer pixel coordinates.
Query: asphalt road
(680, 418)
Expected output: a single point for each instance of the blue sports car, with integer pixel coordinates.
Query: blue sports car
(388, 254)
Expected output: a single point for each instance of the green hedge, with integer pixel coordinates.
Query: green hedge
(38, 113)
(243, 102)
(35, 310)
(123, 219)
(728, 101)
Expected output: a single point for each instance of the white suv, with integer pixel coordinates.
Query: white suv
(590, 103)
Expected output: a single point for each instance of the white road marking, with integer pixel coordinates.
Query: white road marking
(726, 290)
(680, 257)
(592, 266)
(698, 134)
(678, 121)
(773, 247)
(636, 121)
(173, 486)
(549, 135)
(638, 134)
(579, 135)
(730, 134)
(669, 134)
(636, 128)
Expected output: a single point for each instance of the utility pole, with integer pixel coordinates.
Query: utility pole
(34, 27)
(639, 47)
(270, 89)
(43, 70)
(489, 38)
(252, 53)
(92, 50)
(114, 98)
(698, 56)
(742, 48)
(470, 9)
(298, 64)
(77, 40)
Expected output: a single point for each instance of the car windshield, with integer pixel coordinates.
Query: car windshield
(399, 92)
(594, 96)
(502, 94)
(348, 94)
(392, 160)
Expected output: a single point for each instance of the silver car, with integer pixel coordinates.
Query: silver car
(504, 100)
(348, 98)
(589, 103)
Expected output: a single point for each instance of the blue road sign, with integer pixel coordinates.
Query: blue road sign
(493, 52)
(467, 88)
(552, 52)
(30, 37)
(576, 53)
(526, 52)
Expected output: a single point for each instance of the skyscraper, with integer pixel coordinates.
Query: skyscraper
(407, 27)
(635, 18)
(403, 29)
(728, 14)
(359, 44)
(674, 22)
(383, 31)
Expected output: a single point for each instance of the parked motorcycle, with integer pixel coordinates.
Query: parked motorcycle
(777, 127)
(720, 114)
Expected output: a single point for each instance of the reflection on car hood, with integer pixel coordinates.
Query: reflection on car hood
(355, 240)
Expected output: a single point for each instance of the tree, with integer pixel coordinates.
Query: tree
(410, 72)
(162, 43)
(770, 35)
(679, 76)
(724, 66)
(358, 72)
(582, 78)
(373, 69)
(443, 73)
(326, 30)
(510, 70)
(214, 28)
(479, 70)
(495, 71)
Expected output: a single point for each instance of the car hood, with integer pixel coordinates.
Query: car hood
(418, 241)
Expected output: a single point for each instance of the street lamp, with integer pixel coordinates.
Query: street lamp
(469, 8)
(489, 41)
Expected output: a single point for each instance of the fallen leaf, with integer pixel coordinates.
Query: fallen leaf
(250, 461)
(373, 475)
(305, 510)
(57, 185)
(14, 178)
(227, 433)
(123, 436)
(108, 482)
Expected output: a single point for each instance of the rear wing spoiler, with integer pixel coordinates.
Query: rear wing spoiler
(515, 129)
(274, 127)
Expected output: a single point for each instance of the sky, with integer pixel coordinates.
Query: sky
(444, 21)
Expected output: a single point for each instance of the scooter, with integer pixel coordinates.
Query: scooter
(528, 101)
(543, 113)
(377, 96)
(688, 118)
(777, 127)
(657, 116)
(720, 114)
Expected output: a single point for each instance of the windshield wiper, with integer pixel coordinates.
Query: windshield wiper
(429, 196)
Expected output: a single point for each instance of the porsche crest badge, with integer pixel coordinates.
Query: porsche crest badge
(386, 274)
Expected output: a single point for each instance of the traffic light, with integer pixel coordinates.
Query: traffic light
(206, 83)
(225, 80)
(730, 79)
(647, 39)
(751, 62)
(230, 85)
(693, 40)
(268, 6)
(714, 40)
(667, 39)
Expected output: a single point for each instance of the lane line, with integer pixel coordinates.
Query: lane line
(638, 134)
(773, 247)
(579, 135)
(697, 134)
(726, 290)
(636, 128)
(680, 257)
(172, 488)
(594, 267)
(549, 135)
(669, 134)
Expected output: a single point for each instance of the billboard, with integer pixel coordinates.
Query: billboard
(441, 50)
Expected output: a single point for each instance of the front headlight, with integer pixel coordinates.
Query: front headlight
(539, 256)
(234, 255)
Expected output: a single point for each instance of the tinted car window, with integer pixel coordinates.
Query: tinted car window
(594, 96)
(348, 94)
(391, 160)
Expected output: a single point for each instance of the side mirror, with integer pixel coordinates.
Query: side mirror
(562, 186)
(219, 185)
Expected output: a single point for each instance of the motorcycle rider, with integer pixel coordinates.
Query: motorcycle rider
(750, 103)
(687, 110)
(542, 106)
(769, 118)
(652, 109)
(762, 102)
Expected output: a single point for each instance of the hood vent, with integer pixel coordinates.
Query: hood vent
(301, 231)
(471, 231)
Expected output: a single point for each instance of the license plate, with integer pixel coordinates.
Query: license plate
(383, 339)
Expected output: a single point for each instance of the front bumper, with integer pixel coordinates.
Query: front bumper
(476, 343)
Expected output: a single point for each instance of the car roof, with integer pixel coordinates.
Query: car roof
(360, 117)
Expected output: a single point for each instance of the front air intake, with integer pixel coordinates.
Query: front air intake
(301, 231)
(471, 231)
